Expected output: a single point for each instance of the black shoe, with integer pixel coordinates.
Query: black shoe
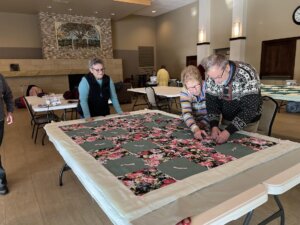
(3, 190)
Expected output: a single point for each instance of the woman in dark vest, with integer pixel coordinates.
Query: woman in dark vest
(95, 89)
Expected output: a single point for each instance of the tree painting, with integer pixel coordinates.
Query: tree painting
(77, 35)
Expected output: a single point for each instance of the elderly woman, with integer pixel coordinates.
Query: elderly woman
(192, 99)
(95, 89)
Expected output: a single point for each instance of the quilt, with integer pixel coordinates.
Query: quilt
(149, 151)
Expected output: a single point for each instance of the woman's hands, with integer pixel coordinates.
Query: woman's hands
(199, 134)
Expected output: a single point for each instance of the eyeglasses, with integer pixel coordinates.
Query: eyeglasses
(220, 76)
(98, 70)
(194, 87)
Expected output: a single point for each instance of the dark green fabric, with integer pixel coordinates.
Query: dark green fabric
(94, 123)
(97, 145)
(154, 124)
(114, 133)
(180, 168)
(237, 136)
(135, 117)
(127, 164)
(183, 134)
(235, 150)
(139, 146)
(80, 132)
(161, 117)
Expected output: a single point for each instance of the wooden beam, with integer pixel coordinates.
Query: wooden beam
(140, 2)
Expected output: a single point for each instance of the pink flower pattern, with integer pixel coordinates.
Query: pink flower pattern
(149, 179)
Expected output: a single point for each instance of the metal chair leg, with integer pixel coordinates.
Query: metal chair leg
(63, 169)
(248, 218)
(36, 133)
(33, 130)
(43, 139)
(279, 213)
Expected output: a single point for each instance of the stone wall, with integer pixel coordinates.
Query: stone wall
(51, 74)
(49, 43)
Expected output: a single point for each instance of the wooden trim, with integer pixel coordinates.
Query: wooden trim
(203, 43)
(237, 38)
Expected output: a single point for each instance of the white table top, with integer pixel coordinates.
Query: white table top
(165, 91)
(39, 104)
(233, 208)
(283, 181)
(191, 196)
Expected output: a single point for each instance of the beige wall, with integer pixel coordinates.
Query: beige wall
(174, 35)
(128, 34)
(19, 85)
(268, 20)
(176, 38)
(221, 19)
(132, 32)
(19, 30)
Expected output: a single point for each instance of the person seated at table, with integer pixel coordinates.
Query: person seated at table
(33, 90)
(192, 100)
(163, 76)
(95, 89)
(233, 92)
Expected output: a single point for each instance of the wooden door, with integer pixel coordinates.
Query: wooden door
(278, 59)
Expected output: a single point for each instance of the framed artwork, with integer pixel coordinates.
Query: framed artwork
(77, 35)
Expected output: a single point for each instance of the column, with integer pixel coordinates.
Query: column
(203, 45)
(238, 35)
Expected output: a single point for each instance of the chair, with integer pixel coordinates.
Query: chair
(269, 110)
(39, 120)
(156, 102)
(173, 82)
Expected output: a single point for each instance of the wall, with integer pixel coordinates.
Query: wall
(221, 20)
(49, 43)
(128, 34)
(20, 36)
(268, 20)
(50, 84)
(176, 38)
(51, 74)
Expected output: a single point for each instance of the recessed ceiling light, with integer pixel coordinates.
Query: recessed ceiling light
(96, 12)
(70, 9)
(112, 14)
(153, 11)
(49, 7)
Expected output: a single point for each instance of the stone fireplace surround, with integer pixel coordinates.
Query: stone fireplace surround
(51, 73)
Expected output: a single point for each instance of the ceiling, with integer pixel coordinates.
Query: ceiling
(97, 8)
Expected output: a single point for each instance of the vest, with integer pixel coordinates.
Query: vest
(98, 96)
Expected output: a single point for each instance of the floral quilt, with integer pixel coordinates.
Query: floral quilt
(149, 151)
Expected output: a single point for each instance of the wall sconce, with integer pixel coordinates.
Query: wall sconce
(236, 30)
(201, 37)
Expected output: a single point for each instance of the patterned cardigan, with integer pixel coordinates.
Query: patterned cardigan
(238, 101)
